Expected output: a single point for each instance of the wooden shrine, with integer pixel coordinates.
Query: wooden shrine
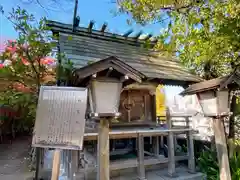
(96, 53)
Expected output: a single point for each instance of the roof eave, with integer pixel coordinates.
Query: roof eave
(104, 64)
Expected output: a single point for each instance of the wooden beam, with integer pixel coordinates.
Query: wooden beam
(76, 22)
(126, 34)
(148, 37)
(104, 27)
(133, 134)
(90, 26)
(138, 35)
(97, 34)
(222, 151)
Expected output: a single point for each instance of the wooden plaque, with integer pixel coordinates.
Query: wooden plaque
(60, 118)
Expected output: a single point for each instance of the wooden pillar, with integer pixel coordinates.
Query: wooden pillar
(42, 155)
(171, 155)
(171, 148)
(56, 165)
(191, 157)
(141, 167)
(153, 107)
(75, 160)
(190, 146)
(222, 151)
(146, 113)
(156, 145)
(128, 111)
(161, 141)
(70, 164)
(103, 150)
(38, 162)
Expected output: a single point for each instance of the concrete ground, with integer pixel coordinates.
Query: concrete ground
(13, 161)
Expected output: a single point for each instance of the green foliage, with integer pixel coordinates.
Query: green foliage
(145, 11)
(208, 164)
(25, 104)
(27, 68)
(205, 34)
(65, 68)
(235, 166)
(237, 110)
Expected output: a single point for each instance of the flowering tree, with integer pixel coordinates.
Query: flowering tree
(26, 65)
(22, 74)
(26, 59)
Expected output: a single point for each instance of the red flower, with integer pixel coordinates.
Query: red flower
(1, 65)
(11, 46)
(47, 60)
(21, 87)
(24, 61)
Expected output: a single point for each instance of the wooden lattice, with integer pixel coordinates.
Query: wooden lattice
(60, 119)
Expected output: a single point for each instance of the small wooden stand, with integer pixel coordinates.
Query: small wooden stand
(222, 151)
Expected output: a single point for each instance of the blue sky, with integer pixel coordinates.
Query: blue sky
(98, 10)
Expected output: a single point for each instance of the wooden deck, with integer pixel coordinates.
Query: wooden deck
(141, 162)
(132, 132)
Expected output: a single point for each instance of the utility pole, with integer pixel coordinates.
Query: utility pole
(75, 14)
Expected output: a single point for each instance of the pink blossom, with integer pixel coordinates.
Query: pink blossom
(47, 60)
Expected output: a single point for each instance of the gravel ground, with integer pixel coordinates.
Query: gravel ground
(13, 161)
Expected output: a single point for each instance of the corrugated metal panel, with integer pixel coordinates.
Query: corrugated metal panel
(82, 49)
(60, 119)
